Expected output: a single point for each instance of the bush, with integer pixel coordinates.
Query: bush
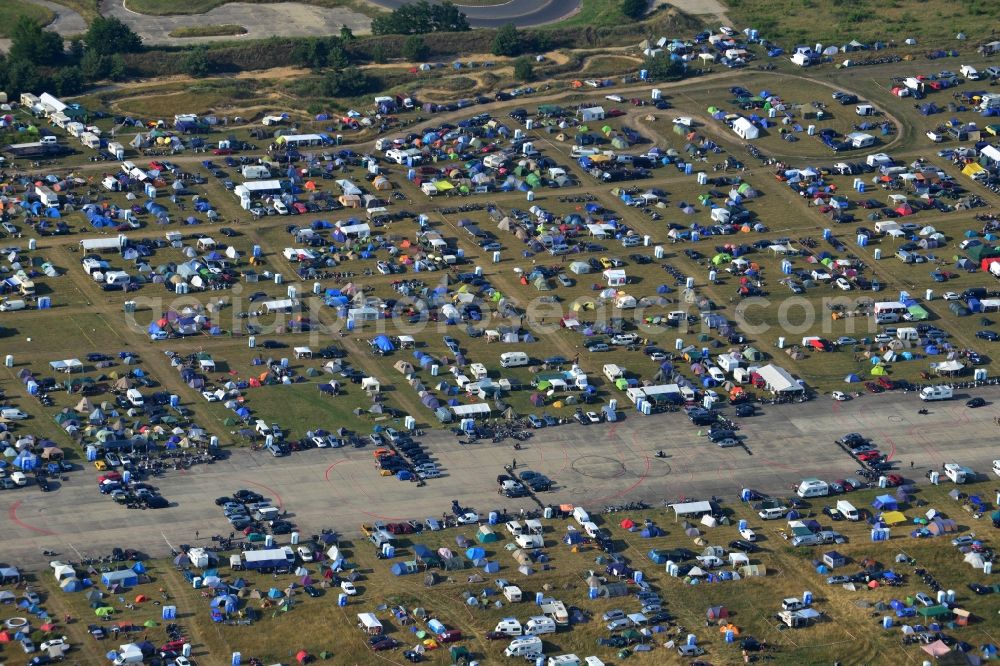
(415, 49)
(524, 70)
(507, 41)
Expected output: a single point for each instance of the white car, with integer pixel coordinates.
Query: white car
(657, 356)
(158, 335)
(687, 121)
(210, 396)
(348, 588)
(840, 396)
(593, 417)
(53, 642)
(470, 518)
(950, 296)
(306, 553)
(13, 414)
(843, 284)
(748, 534)
(996, 467)
(182, 661)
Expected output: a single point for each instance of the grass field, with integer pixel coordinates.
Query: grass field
(849, 630)
(219, 30)
(12, 11)
(791, 22)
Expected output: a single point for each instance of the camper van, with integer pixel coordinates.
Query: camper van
(538, 625)
(510, 626)
(134, 397)
(957, 473)
(564, 660)
(848, 510)
(513, 359)
(929, 393)
(813, 488)
(528, 647)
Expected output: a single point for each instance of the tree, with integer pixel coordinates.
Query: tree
(415, 48)
(117, 67)
(634, 9)
(94, 66)
(663, 68)
(524, 70)
(312, 53)
(346, 34)
(507, 41)
(196, 62)
(68, 80)
(75, 52)
(347, 82)
(421, 17)
(108, 35)
(29, 42)
(378, 53)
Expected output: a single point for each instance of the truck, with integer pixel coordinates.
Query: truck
(930, 393)
(957, 473)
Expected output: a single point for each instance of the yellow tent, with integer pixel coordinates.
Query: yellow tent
(893, 517)
(971, 169)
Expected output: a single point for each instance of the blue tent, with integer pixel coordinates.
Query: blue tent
(852, 378)
(491, 567)
(383, 343)
(475, 553)
(274, 593)
(885, 503)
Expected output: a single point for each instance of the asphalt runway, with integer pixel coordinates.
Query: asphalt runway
(591, 465)
(522, 13)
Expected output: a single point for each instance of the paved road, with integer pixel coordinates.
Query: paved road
(522, 13)
(592, 466)
(286, 19)
(67, 22)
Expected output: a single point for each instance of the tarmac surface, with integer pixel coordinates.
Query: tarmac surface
(592, 466)
(522, 13)
(285, 19)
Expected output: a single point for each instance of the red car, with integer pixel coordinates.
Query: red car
(300, 208)
(886, 383)
(893, 480)
(222, 151)
(869, 455)
(873, 387)
(450, 636)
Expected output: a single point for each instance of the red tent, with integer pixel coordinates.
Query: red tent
(303, 657)
(627, 524)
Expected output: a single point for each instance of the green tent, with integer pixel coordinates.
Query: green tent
(934, 611)
(104, 611)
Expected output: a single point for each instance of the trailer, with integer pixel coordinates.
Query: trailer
(259, 560)
(116, 244)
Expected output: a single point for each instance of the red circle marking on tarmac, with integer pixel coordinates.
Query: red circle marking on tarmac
(274, 493)
(642, 478)
(12, 514)
(326, 474)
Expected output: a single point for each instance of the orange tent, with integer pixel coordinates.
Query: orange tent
(310, 185)
(140, 598)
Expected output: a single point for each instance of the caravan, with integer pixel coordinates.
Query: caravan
(528, 647)
(813, 488)
(513, 359)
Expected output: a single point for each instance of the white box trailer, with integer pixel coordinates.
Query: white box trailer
(116, 243)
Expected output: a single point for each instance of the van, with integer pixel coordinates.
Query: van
(806, 540)
(134, 397)
(774, 513)
(528, 541)
(887, 318)
(690, 650)
(48, 140)
(905, 257)
(538, 625)
(580, 151)
(10, 306)
(848, 510)
(513, 359)
(580, 515)
(514, 528)
(510, 626)
(116, 278)
(591, 529)
(813, 488)
(527, 647)
(19, 478)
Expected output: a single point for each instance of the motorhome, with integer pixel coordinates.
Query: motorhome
(527, 647)
(538, 625)
(931, 393)
(813, 488)
(513, 359)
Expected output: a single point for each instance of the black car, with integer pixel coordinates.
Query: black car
(273, 344)
(975, 402)
(332, 351)
(658, 618)
(721, 434)
(980, 589)
(744, 546)
(220, 501)
(852, 439)
(311, 591)
(745, 409)
(540, 484)
(247, 496)
(226, 231)
(157, 502)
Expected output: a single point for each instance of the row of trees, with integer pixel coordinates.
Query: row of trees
(39, 60)
(421, 17)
